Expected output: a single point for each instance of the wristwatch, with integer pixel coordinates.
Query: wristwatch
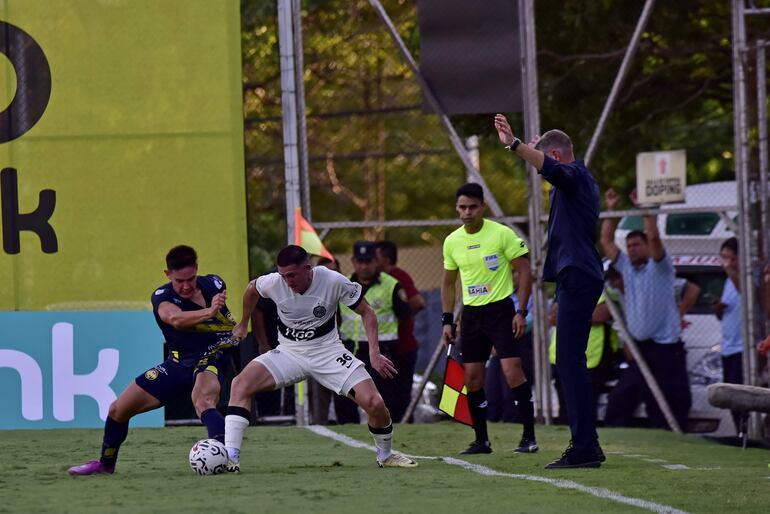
(523, 312)
(513, 146)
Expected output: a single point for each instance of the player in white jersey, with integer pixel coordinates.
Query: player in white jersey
(309, 346)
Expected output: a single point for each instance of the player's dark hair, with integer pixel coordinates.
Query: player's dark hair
(389, 250)
(637, 233)
(292, 254)
(730, 244)
(471, 190)
(180, 257)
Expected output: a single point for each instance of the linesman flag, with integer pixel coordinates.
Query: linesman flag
(454, 399)
(306, 237)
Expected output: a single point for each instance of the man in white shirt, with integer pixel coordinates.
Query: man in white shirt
(309, 346)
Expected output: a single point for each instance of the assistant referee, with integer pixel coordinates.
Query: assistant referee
(484, 253)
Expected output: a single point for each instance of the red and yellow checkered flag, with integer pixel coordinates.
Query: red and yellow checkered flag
(454, 399)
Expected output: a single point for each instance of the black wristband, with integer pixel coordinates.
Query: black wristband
(523, 312)
(447, 318)
(513, 146)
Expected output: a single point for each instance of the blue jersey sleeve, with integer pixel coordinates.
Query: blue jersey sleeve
(160, 295)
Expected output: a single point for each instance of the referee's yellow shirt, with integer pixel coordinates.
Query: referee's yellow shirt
(484, 260)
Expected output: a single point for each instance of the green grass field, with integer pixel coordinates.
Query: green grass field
(293, 470)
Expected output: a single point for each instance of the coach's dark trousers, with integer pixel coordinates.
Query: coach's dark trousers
(577, 294)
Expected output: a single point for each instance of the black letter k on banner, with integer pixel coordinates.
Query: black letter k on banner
(36, 221)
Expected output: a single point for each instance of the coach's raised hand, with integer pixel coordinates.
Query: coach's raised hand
(504, 131)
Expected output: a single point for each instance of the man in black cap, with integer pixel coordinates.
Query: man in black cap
(388, 300)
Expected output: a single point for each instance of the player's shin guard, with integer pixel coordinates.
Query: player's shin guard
(383, 441)
(236, 421)
(522, 395)
(477, 404)
(114, 435)
(215, 424)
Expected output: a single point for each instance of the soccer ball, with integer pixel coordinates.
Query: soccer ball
(208, 457)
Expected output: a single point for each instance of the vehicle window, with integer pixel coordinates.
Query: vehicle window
(631, 223)
(691, 224)
(711, 283)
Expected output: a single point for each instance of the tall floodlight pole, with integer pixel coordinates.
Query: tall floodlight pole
(290, 147)
(762, 145)
(289, 112)
(740, 129)
(535, 206)
(299, 77)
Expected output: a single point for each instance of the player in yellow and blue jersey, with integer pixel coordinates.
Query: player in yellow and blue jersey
(197, 325)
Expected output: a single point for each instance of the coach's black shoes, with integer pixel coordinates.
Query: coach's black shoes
(526, 446)
(599, 453)
(571, 458)
(477, 447)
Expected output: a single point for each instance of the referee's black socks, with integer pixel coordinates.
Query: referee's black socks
(522, 395)
(477, 404)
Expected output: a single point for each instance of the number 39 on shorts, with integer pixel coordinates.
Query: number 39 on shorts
(345, 360)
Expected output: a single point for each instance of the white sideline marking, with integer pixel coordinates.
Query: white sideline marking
(599, 492)
(676, 466)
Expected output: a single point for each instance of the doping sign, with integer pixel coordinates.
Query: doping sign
(661, 177)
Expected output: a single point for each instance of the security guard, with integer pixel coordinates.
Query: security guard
(484, 253)
(388, 300)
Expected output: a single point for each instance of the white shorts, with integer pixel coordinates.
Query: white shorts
(331, 365)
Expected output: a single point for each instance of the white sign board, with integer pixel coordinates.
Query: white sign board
(661, 177)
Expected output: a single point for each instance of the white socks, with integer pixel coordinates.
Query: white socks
(383, 441)
(234, 428)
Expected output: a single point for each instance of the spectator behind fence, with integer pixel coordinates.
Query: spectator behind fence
(388, 300)
(728, 310)
(405, 352)
(652, 319)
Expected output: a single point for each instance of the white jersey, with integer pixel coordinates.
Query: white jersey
(310, 317)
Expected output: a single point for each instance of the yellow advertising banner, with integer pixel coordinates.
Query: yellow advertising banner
(121, 136)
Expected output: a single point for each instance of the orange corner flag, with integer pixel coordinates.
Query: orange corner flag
(306, 237)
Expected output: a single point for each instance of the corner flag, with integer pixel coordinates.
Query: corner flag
(306, 237)
(454, 399)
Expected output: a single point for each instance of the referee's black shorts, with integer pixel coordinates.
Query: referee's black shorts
(485, 326)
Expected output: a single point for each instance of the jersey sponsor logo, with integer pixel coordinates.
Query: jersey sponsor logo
(319, 311)
(473, 247)
(159, 292)
(492, 262)
(479, 290)
(298, 334)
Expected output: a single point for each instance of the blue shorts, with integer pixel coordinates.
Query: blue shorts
(170, 379)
